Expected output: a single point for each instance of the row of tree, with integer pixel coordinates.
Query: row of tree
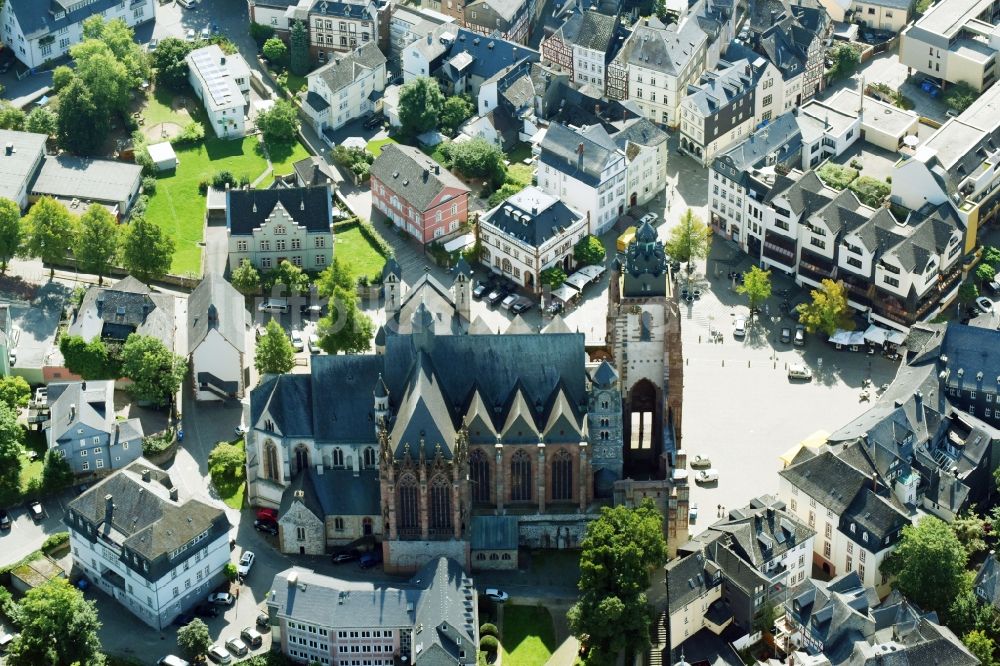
(50, 232)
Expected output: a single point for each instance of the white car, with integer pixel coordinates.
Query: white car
(509, 301)
(708, 475)
(496, 595)
(298, 341)
(740, 327)
(701, 461)
(189, 35)
(246, 561)
(314, 347)
(984, 304)
(219, 655)
(206, 32)
(648, 217)
(221, 599)
(799, 371)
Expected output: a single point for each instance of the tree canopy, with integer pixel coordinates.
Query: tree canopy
(589, 250)
(690, 239)
(929, 564)
(291, 276)
(274, 50)
(156, 372)
(14, 391)
(756, 286)
(10, 231)
(274, 351)
(420, 105)
(42, 120)
(454, 112)
(828, 310)
(81, 126)
(345, 328)
(58, 627)
(10, 455)
(619, 551)
(981, 645)
(245, 278)
(169, 61)
(280, 123)
(96, 240)
(146, 252)
(11, 117)
(193, 639)
(50, 230)
(90, 360)
(300, 49)
(478, 158)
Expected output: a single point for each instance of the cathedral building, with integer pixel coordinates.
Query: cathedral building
(443, 434)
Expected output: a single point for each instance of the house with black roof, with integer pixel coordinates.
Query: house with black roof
(266, 227)
(217, 339)
(128, 306)
(348, 87)
(156, 551)
(528, 233)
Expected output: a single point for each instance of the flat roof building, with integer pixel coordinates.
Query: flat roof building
(955, 41)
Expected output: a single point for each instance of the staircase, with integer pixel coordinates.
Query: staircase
(658, 640)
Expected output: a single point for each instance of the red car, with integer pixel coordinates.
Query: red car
(265, 514)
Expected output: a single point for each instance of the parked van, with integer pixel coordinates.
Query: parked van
(274, 305)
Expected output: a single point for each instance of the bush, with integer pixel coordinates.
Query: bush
(156, 444)
(871, 191)
(478, 158)
(54, 542)
(260, 33)
(488, 629)
(375, 238)
(230, 572)
(507, 190)
(223, 178)
(149, 185)
(836, 176)
(856, 164)
(489, 644)
(193, 132)
(203, 187)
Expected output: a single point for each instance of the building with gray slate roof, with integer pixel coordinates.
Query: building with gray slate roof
(430, 620)
(266, 227)
(346, 88)
(126, 307)
(528, 233)
(430, 408)
(218, 322)
(82, 427)
(136, 538)
(20, 159)
(39, 31)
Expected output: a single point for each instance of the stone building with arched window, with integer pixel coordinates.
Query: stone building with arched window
(440, 427)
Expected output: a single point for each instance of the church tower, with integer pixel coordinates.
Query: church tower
(392, 284)
(462, 289)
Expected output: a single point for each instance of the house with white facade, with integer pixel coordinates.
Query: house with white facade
(346, 88)
(585, 166)
(267, 227)
(429, 620)
(222, 83)
(82, 427)
(590, 41)
(953, 41)
(527, 233)
(38, 31)
(217, 339)
(156, 554)
(645, 148)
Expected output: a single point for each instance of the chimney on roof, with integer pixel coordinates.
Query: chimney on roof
(145, 474)
(918, 399)
(437, 169)
(579, 155)
(173, 494)
(222, 60)
(83, 385)
(109, 507)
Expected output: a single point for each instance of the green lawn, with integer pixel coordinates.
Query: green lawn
(518, 172)
(357, 254)
(30, 471)
(282, 158)
(375, 145)
(177, 207)
(234, 496)
(158, 110)
(528, 638)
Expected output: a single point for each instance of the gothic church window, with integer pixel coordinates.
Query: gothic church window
(479, 476)
(369, 457)
(562, 476)
(440, 504)
(407, 503)
(520, 477)
(338, 457)
(271, 461)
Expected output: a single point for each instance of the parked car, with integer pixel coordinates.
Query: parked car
(374, 120)
(298, 342)
(171, 660)
(740, 327)
(206, 32)
(311, 311)
(218, 654)
(369, 560)
(800, 336)
(508, 301)
(189, 35)
(314, 347)
(347, 556)
(4, 519)
(497, 295)
(153, 43)
(693, 512)
(37, 513)
(187, 4)
(263, 619)
(237, 647)
(648, 217)
(496, 595)
(206, 610)
(480, 290)
(984, 304)
(700, 461)
(709, 475)
(994, 285)
(252, 638)
(521, 305)
(266, 526)
(221, 599)
(786, 334)
(799, 371)
(246, 563)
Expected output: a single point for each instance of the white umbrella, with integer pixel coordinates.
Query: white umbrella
(354, 142)
(911, 140)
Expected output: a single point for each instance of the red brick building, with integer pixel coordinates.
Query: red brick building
(417, 194)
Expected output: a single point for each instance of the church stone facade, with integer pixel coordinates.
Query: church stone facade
(442, 426)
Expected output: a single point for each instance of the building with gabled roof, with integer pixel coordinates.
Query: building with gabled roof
(222, 83)
(266, 227)
(218, 322)
(431, 619)
(126, 307)
(136, 538)
(428, 411)
(418, 194)
(348, 87)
